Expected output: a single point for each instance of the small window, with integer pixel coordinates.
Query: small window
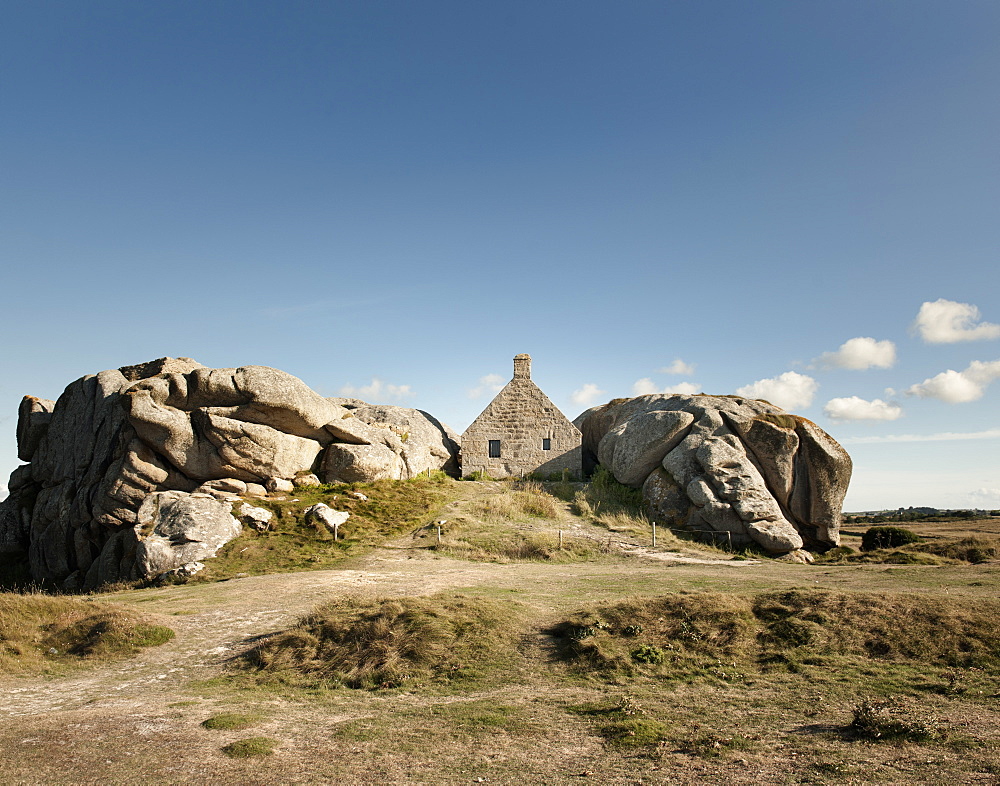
(494, 448)
(546, 444)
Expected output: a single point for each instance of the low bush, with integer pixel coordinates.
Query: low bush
(887, 538)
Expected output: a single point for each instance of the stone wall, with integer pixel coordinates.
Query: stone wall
(520, 418)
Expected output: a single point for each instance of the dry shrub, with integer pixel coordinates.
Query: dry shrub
(389, 642)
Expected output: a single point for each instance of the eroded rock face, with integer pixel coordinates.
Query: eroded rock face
(171, 425)
(742, 469)
(175, 528)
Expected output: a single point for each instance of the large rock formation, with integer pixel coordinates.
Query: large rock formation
(723, 464)
(82, 509)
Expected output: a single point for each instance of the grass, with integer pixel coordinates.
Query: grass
(392, 507)
(444, 639)
(520, 522)
(517, 500)
(39, 632)
(969, 550)
(724, 637)
(250, 748)
(231, 721)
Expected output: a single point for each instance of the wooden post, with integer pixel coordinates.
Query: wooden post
(439, 532)
(654, 534)
(336, 530)
(560, 540)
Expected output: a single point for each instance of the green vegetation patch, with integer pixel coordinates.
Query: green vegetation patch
(723, 637)
(625, 724)
(887, 538)
(445, 638)
(392, 507)
(250, 747)
(38, 631)
(231, 721)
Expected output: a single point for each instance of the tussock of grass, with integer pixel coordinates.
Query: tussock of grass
(250, 747)
(290, 544)
(231, 721)
(973, 549)
(880, 720)
(443, 638)
(723, 637)
(37, 631)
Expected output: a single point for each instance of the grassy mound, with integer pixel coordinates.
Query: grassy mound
(290, 544)
(725, 636)
(971, 550)
(444, 638)
(40, 631)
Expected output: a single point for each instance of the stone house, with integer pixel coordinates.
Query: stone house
(521, 432)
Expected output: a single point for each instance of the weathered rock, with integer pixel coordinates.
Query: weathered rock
(232, 486)
(180, 574)
(255, 518)
(636, 447)
(357, 495)
(724, 464)
(256, 490)
(360, 463)
(175, 528)
(113, 439)
(327, 517)
(33, 418)
(309, 480)
(279, 485)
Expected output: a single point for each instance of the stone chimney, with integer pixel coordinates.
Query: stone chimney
(522, 366)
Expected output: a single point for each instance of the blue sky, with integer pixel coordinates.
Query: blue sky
(395, 198)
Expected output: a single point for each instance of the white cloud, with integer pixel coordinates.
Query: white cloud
(854, 408)
(683, 388)
(586, 395)
(790, 390)
(941, 436)
(646, 386)
(860, 353)
(947, 322)
(491, 383)
(958, 387)
(678, 367)
(986, 497)
(377, 390)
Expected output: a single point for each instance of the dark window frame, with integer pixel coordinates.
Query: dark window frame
(546, 443)
(494, 448)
